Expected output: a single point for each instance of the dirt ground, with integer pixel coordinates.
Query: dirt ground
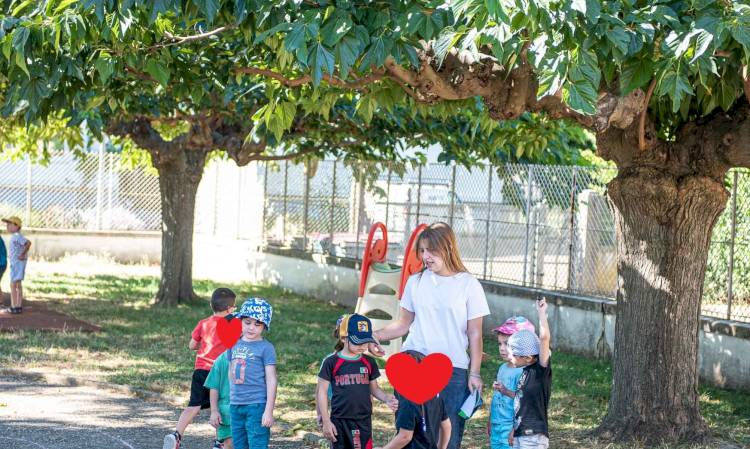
(36, 316)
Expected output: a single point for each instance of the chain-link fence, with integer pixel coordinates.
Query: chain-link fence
(538, 226)
(91, 193)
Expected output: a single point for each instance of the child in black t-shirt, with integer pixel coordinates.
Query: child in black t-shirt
(353, 378)
(424, 426)
(531, 402)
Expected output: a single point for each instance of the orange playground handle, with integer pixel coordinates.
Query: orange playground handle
(412, 262)
(374, 252)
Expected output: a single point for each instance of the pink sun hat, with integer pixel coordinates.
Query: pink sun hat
(513, 325)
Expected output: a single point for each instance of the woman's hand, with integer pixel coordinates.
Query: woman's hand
(475, 382)
(375, 348)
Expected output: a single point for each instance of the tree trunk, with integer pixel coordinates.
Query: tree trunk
(664, 224)
(179, 176)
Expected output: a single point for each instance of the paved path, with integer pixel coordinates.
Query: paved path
(36, 415)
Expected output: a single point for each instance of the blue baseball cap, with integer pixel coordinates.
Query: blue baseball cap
(358, 329)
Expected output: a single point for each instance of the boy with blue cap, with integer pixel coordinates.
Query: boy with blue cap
(353, 378)
(252, 378)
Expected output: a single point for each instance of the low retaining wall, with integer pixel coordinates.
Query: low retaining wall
(578, 324)
(123, 247)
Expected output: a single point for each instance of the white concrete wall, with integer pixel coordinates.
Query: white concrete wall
(123, 247)
(580, 325)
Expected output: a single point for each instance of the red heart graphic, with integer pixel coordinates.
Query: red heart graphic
(419, 382)
(229, 331)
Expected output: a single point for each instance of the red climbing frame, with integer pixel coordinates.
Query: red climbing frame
(412, 262)
(374, 253)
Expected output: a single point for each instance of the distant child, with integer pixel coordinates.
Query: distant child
(252, 378)
(19, 254)
(425, 426)
(205, 340)
(337, 334)
(531, 401)
(501, 410)
(217, 383)
(3, 264)
(353, 376)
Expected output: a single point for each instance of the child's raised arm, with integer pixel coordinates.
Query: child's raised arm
(382, 396)
(544, 333)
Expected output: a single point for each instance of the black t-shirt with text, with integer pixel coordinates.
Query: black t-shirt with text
(532, 400)
(350, 383)
(409, 417)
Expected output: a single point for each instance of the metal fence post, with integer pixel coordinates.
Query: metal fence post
(286, 191)
(529, 174)
(265, 205)
(99, 186)
(110, 188)
(333, 209)
(571, 246)
(487, 223)
(731, 246)
(27, 218)
(419, 194)
(453, 196)
(359, 188)
(388, 196)
(305, 206)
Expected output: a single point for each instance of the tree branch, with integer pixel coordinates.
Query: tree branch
(180, 40)
(644, 112)
(360, 83)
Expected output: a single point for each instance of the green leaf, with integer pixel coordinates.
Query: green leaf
(335, 29)
(676, 86)
(282, 27)
(158, 7)
(347, 51)
(727, 96)
(496, 10)
(21, 62)
(105, 66)
(581, 97)
(366, 106)
(635, 74)
(320, 59)
(158, 71)
(619, 38)
(593, 10)
(295, 38)
(446, 40)
(20, 36)
(208, 7)
(241, 11)
(376, 55)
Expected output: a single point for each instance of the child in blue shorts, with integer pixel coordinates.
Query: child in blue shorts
(252, 378)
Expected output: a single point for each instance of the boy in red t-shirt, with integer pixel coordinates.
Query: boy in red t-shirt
(205, 340)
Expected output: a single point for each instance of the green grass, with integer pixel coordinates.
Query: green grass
(146, 347)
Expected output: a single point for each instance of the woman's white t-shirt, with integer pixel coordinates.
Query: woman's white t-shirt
(442, 307)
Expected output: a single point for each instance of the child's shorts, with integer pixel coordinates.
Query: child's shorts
(499, 436)
(536, 441)
(352, 433)
(17, 270)
(223, 432)
(199, 395)
(2, 271)
(247, 429)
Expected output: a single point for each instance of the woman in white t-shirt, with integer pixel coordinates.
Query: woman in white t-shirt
(442, 310)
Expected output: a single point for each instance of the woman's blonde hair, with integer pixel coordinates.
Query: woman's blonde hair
(441, 240)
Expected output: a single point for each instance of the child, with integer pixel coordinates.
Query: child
(252, 378)
(205, 340)
(501, 410)
(531, 401)
(353, 377)
(19, 254)
(337, 334)
(425, 426)
(218, 384)
(3, 264)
